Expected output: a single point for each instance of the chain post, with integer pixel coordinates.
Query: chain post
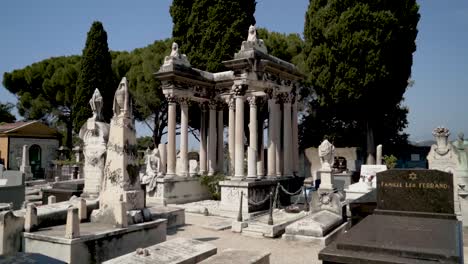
(270, 217)
(239, 216)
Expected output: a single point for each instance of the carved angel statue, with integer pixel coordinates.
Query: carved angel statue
(96, 105)
(122, 101)
(326, 152)
(153, 169)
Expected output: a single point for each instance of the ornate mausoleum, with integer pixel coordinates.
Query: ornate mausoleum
(255, 78)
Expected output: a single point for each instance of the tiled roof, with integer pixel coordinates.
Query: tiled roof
(10, 126)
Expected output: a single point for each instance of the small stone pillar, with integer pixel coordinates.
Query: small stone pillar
(25, 167)
(82, 209)
(51, 199)
(121, 215)
(30, 218)
(72, 228)
(379, 155)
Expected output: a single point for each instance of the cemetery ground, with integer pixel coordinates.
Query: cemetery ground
(282, 251)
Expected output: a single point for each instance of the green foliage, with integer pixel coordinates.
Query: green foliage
(211, 31)
(212, 183)
(390, 161)
(139, 67)
(144, 143)
(95, 72)
(358, 56)
(5, 113)
(46, 90)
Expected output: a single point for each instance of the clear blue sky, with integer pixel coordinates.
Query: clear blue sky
(34, 30)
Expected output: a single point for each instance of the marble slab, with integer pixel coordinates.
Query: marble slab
(176, 251)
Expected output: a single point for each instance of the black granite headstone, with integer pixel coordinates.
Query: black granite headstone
(414, 223)
(415, 191)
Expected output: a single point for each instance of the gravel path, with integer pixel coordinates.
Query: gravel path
(282, 252)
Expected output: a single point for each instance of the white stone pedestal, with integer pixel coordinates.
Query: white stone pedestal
(255, 191)
(177, 190)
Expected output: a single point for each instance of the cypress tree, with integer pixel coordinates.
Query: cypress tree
(359, 55)
(210, 31)
(95, 72)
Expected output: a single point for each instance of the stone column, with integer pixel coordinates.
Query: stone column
(271, 166)
(287, 137)
(203, 169)
(253, 148)
(231, 135)
(184, 137)
(277, 138)
(220, 140)
(239, 152)
(260, 164)
(295, 146)
(212, 138)
(379, 155)
(163, 153)
(171, 136)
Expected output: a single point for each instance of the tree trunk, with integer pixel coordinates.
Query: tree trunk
(370, 144)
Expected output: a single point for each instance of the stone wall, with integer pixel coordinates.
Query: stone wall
(48, 150)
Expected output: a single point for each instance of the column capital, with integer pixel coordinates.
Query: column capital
(252, 101)
(183, 101)
(232, 103)
(213, 104)
(203, 106)
(239, 89)
(171, 99)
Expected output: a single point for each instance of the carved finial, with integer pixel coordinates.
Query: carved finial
(175, 57)
(252, 34)
(96, 105)
(122, 102)
(175, 50)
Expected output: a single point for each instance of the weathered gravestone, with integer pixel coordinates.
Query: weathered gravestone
(414, 223)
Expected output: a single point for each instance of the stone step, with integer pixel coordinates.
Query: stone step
(34, 198)
(33, 192)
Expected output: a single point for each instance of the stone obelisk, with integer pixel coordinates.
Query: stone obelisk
(121, 181)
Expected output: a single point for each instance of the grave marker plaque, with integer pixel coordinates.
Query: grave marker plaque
(427, 191)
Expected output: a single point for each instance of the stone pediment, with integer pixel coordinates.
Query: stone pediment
(28, 129)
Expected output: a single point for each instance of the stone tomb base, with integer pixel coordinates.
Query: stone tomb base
(256, 191)
(259, 227)
(175, 216)
(97, 243)
(175, 251)
(320, 228)
(391, 239)
(177, 190)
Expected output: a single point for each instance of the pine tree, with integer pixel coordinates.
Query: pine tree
(95, 72)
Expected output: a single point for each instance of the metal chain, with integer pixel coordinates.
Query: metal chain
(260, 202)
(288, 193)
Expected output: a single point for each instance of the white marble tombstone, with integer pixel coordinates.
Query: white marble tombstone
(95, 134)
